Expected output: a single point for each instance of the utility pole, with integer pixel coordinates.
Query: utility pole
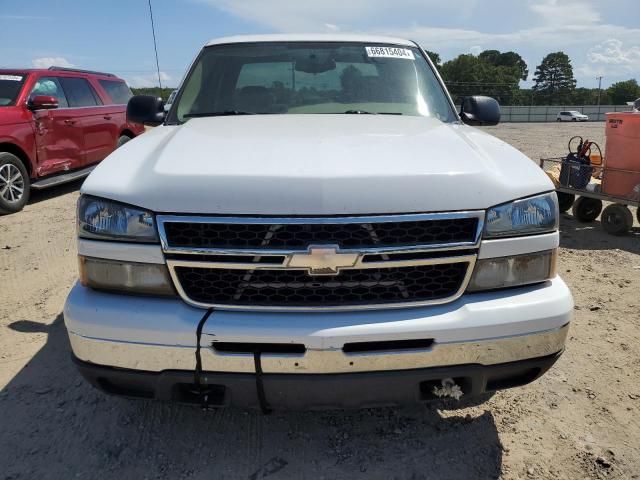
(599, 92)
(599, 88)
(155, 47)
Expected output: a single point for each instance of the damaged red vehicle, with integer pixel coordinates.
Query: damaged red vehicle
(56, 124)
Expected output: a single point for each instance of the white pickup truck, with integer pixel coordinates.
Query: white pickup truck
(313, 225)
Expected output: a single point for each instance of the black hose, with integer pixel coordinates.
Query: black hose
(579, 145)
(201, 391)
(264, 405)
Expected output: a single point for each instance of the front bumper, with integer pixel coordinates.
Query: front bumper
(156, 336)
(315, 392)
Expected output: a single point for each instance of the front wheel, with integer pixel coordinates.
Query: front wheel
(14, 184)
(617, 219)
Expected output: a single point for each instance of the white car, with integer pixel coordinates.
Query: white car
(314, 226)
(571, 116)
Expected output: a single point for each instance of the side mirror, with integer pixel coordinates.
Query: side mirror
(145, 109)
(42, 102)
(479, 110)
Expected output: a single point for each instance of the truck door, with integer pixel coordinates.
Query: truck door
(59, 141)
(93, 118)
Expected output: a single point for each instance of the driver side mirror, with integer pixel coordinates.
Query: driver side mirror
(42, 102)
(479, 110)
(146, 109)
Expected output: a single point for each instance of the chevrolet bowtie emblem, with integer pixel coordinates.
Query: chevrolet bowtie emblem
(324, 260)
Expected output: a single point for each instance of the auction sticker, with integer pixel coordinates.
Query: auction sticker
(13, 78)
(390, 52)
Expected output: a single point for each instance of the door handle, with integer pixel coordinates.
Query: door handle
(69, 122)
(107, 117)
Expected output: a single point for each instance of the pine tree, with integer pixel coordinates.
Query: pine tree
(554, 77)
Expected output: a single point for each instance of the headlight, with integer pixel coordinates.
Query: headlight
(513, 271)
(107, 220)
(527, 216)
(129, 277)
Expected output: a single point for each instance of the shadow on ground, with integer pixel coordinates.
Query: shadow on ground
(591, 236)
(54, 425)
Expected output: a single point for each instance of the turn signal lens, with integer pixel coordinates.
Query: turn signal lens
(133, 278)
(514, 271)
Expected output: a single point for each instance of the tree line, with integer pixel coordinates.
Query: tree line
(498, 74)
(157, 91)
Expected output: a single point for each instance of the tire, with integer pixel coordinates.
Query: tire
(122, 140)
(565, 201)
(586, 210)
(638, 213)
(617, 219)
(558, 120)
(574, 119)
(14, 184)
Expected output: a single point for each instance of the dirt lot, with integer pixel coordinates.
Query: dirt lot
(578, 421)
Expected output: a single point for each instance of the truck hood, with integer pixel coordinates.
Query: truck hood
(315, 165)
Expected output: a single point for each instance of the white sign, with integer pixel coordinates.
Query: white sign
(13, 78)
(390, 52)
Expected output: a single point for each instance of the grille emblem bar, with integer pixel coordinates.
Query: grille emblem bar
(323, 260)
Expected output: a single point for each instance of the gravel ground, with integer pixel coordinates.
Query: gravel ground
(579, 421)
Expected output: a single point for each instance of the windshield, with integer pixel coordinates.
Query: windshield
(311, 78)
(10, 85)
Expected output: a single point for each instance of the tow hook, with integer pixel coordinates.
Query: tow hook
(449, 389)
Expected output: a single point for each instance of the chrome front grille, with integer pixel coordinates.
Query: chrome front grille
(321, 263)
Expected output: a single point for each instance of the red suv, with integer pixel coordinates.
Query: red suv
(56, 124)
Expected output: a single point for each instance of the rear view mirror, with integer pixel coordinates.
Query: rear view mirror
(479, 110)
(43, 102)
(145, 109)
(315, 65)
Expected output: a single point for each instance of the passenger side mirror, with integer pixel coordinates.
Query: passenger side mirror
(42, 102)
(146, 109)
(479, 110)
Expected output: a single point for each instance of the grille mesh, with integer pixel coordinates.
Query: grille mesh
(297, 236)
(295, 288)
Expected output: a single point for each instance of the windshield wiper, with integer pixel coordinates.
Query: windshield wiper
(364, 112)
(223, 113)
(359, 112)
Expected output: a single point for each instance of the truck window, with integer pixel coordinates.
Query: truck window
(50, 86)
(79, 92)
(118, 91)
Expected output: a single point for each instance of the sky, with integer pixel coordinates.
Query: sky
(602, 37)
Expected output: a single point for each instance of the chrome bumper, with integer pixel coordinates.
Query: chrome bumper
(156, 358)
